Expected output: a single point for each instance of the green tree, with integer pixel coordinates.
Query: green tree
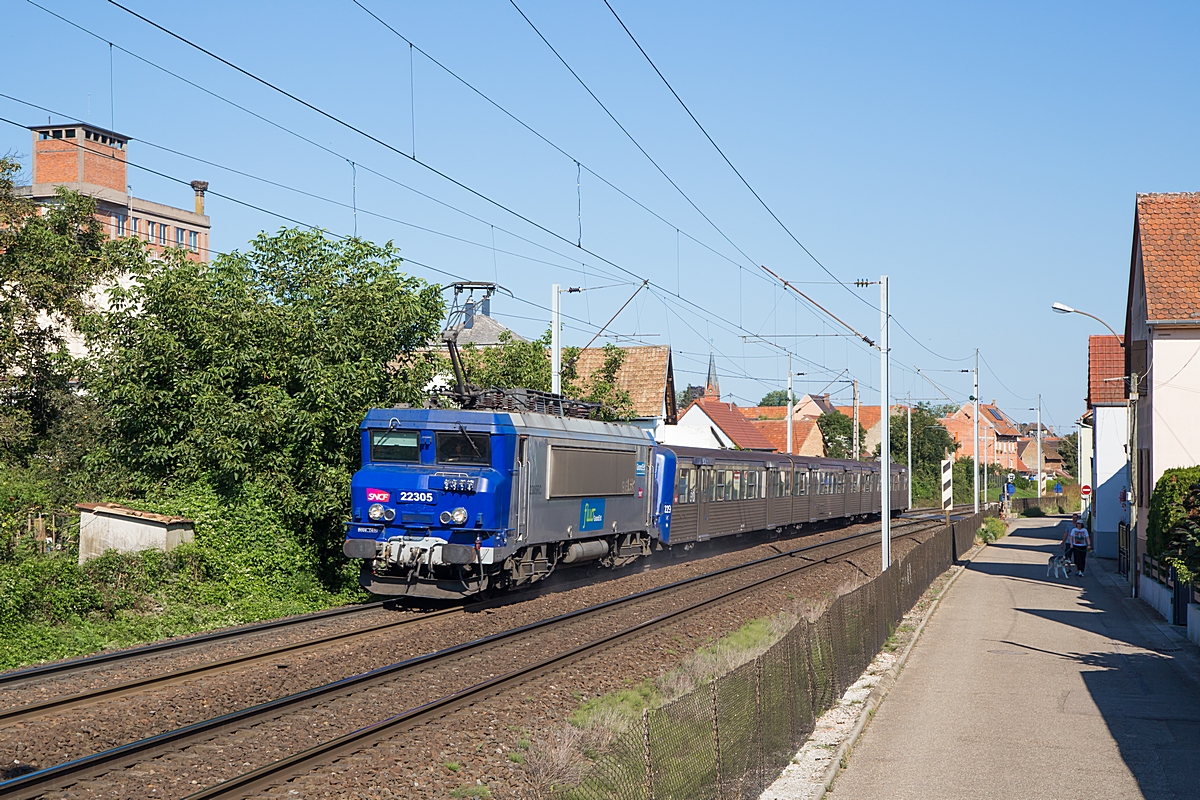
(837, 431)
(511, 364)
(775, 397)
(615, 403)
(931, 443)
(1068, 448)
(50, 258)
(514, 364)
(259, 367)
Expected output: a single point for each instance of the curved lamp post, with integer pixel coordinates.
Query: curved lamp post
(1131, 464)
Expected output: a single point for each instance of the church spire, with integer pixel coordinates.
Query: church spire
(713, 388)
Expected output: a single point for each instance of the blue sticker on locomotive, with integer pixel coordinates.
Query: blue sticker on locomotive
(591, 515)
(641, 469)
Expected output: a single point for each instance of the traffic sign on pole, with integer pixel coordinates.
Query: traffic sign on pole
(1085, 490)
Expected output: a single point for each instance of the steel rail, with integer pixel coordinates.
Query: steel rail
(9, 716)
(272, 774)
(36, 783)
(85, 662)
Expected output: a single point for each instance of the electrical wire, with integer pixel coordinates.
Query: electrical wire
(396, 150)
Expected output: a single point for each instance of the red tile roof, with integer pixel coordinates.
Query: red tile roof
(1106, 368)
(644, 374)
(868, 416)
(804, 443)
(730, 420)
(1168, 233)
(764, 412)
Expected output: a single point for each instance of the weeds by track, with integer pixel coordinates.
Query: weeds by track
(38, 782)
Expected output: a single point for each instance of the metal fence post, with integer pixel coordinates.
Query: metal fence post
(716, 735)
(759, 721)
(646, 750)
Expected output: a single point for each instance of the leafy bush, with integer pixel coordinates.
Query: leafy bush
(991, 530)
(1167, 510)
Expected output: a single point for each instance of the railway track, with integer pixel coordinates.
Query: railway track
(67, 672)
(381, 682)
(74, 665)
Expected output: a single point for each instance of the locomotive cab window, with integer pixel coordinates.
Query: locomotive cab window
(392, 445)
(460, 447)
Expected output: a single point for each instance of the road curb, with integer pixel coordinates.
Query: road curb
(881, 690)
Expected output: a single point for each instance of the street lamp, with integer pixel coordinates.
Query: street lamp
(1131, 464)
(1063, 308)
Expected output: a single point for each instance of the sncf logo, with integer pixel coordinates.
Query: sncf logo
(378, 496)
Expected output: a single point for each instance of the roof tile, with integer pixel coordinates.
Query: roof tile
(1168, 233)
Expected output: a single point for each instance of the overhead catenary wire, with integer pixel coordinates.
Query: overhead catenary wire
(691, 305)
(845, 285)
(349, 126)
(287, 218)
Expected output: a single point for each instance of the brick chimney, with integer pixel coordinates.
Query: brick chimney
(200, 187)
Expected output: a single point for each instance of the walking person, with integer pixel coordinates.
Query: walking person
(1066, 543)
(1080, 541)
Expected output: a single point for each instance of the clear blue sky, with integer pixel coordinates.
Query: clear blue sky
(985, 157)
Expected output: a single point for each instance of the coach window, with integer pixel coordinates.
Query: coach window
(721, 486)
(752, 485)
(734, 489)
(708, 483)
(853, 482)
(840, 484)
(801, 483)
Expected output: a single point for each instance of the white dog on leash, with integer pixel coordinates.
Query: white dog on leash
(1058, 564)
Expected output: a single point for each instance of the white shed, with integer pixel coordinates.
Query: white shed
(107, 526)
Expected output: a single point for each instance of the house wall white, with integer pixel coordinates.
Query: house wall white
(694, 429)
(1173, 398)
(1087, 455)
(1110, 505)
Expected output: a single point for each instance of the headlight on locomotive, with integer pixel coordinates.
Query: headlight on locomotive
(458, 516)
(375, 512)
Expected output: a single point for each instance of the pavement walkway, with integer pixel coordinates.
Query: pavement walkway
(1024, 686)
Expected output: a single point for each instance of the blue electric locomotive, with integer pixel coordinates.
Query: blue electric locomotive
(449, 503)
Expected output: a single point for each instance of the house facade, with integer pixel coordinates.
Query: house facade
(708, 422)
(999, 436)
(806, 436)
(1162, 336)
(1109, 412)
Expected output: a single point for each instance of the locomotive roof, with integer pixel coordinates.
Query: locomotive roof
(508, 422)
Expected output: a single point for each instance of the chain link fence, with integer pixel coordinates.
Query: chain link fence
(732, 738)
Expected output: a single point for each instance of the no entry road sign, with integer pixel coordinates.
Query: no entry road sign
(1085, 490)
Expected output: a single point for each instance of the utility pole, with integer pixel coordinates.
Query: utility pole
(857, 449)
(975, 419)
(1039, 452)
(555, 339)
(909, 439)
(789, 406)
(885, 445)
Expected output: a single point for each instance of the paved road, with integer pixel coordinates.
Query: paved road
(1024, 686)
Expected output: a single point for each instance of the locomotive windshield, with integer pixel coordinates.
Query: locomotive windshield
(464, 448)
(393, 445)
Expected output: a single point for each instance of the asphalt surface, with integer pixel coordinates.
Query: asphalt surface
(1028, 686)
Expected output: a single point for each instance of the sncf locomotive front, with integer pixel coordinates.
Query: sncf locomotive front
(450, 503)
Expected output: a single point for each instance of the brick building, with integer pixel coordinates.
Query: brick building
(92, 161)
